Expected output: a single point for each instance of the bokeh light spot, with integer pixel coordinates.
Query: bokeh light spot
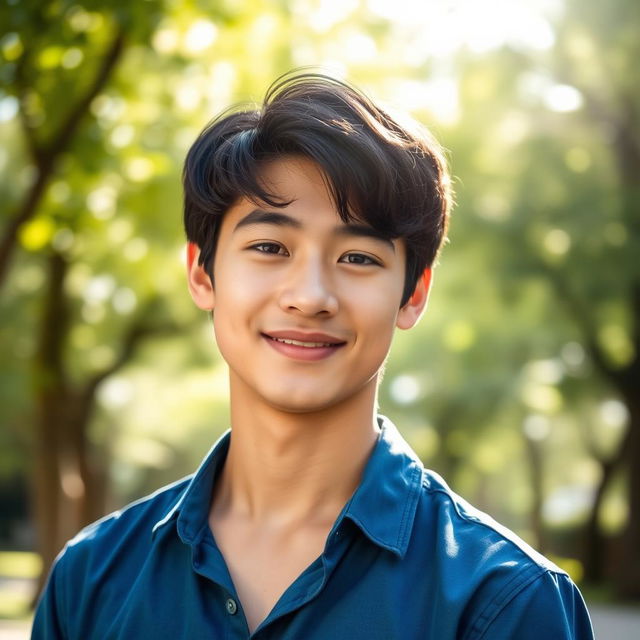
(124, 300)
(562, 98)
(36, 234)
(405, 389)
(536, 427)
(8, 108)
(557, 242)
(459, 336)
(200, 36)
(72, 58)
(578, 159)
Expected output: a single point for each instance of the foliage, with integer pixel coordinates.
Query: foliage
(509, 385)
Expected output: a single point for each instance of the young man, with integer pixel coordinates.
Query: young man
(313, 225)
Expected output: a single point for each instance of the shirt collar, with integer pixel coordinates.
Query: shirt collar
(192, 507)
(383, 506)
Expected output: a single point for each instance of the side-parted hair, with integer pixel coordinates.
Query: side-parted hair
(377, 171)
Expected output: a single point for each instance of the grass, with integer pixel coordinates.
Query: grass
(14, 605)
(20, 564)
(16, 567)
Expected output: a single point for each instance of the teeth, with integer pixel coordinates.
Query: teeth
(300, 343)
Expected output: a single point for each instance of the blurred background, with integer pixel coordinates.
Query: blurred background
(521, 385)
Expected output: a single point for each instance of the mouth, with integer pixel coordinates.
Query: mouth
(304, 338)
(301, 343)
(303, 346)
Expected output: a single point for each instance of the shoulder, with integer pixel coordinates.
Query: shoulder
(127, 530)
(502, 584)
(110, 550)
(468, 529)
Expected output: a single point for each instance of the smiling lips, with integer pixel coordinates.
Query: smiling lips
(303, 346)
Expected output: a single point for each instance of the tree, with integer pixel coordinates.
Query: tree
(43, 52)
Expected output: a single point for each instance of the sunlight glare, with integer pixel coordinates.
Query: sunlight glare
(360, 48)
(441, 29)
(200, 36)
(438, 95)
(327, 13)
(562, 98)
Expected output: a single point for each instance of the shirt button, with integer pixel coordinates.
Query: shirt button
(232, 607)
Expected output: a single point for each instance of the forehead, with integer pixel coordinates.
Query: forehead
(303, 188)
(295, 178)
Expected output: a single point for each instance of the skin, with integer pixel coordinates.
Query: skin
(303, 417)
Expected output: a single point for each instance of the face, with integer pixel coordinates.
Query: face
(305, 306)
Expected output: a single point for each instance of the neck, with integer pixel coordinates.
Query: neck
(285, 468)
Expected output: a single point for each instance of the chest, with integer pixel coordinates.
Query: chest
(263, 564)
(182, 592)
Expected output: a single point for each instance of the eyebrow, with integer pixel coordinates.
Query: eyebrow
(257, 216)
(363, 231)
(353, 230)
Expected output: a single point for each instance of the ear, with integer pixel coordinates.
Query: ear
(413, 309)
(200, 285)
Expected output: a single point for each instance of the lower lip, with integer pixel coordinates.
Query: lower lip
(307, 354)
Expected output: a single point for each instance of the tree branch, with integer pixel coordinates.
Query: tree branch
(66, 132)
(583, 320)
(48, 154)
(137, 332)
(27, 127)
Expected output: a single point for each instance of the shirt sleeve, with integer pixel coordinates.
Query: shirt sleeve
(47, 621)
(549, 607)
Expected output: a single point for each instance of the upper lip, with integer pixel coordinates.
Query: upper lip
(303, 336)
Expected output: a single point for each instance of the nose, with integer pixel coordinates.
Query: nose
(308, 290)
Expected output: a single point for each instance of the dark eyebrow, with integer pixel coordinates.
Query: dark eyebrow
(257, 216)
(363, 230)
(352, 230)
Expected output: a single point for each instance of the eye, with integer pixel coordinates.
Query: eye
(359, 258)
(271, 248)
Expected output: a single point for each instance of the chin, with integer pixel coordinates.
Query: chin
(301, 407)
(301, 401)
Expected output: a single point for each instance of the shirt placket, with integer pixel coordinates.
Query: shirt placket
(208, 562)
(307, 586)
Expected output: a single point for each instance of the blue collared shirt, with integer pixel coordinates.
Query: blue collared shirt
(406, 559)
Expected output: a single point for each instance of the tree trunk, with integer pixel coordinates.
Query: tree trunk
(535, 458)
(593, 549)
(46, 492)
(50, 394)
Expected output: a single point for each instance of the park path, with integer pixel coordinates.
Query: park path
(615, 623)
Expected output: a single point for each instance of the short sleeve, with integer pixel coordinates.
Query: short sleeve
(549, 607)
(47, 621)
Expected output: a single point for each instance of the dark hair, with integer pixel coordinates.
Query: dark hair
(378, 172)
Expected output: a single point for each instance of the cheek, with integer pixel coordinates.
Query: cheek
(378, 305)
(242, 284)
